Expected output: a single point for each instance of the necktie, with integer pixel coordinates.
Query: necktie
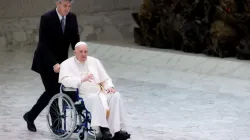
(63, 24)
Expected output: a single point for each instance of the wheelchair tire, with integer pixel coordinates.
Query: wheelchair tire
(62, 99)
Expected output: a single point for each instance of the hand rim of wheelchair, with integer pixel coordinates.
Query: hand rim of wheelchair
(71, 104)
(84, 132)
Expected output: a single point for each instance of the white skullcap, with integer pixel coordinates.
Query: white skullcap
(80, 44)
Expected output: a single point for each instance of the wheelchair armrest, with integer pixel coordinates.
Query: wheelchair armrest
(71, 92)
(67, 89)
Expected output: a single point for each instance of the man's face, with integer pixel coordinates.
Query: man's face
(81, 53)
(63, 7)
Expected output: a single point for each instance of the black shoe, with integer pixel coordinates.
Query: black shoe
(106, 135)
(30, 124)
(121, 135)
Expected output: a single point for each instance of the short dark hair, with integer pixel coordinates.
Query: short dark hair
(65, 0)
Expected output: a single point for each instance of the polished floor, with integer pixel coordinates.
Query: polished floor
(161, 104)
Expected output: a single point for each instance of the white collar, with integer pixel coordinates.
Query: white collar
(78, 62)
(60, 17)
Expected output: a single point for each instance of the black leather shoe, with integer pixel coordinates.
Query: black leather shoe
(121, 135)
(106, 135)
(30, 124)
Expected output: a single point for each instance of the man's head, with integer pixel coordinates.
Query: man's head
(63, 6)
(81, 51)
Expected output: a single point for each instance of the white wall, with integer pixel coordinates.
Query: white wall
(99, 20)
(30, 8)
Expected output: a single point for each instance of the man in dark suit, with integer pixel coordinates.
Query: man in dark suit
(58, 29)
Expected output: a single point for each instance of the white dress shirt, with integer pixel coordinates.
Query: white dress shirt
(60, 17)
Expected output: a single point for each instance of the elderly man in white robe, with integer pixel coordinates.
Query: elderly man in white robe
(96, 88)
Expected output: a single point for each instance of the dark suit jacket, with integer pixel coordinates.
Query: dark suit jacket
(53, 45)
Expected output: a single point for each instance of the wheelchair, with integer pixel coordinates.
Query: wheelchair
(65, 104)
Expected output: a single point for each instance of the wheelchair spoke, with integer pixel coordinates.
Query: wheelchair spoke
(55, 108)
(63, 114)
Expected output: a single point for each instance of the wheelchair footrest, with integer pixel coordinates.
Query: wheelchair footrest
(95, 136)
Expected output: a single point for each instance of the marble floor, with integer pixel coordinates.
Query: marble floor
(170, 106)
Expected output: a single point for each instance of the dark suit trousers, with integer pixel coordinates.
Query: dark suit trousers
(52, 87)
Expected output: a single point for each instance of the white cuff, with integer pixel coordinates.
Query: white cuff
(107, 85)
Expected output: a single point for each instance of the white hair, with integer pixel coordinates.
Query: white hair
(80, 44)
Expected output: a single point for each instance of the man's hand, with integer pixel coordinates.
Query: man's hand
(56, 68)
(88, 78)
(111, 90)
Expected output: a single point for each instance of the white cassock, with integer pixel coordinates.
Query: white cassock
(96, 100)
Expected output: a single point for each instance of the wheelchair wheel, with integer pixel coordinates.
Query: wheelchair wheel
(61, 116)
(90, 134)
